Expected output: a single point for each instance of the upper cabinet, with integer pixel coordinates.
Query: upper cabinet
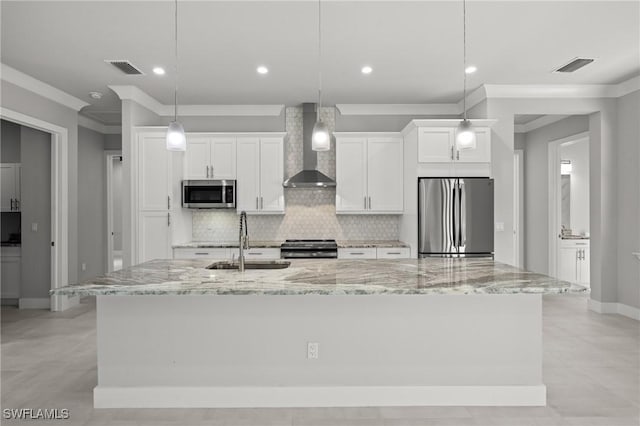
(438, 145)
(260, 172)
(210, 157)
(369, 173)
(10, 191)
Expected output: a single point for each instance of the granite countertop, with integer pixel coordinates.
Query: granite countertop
(276, 244)
(323, 277)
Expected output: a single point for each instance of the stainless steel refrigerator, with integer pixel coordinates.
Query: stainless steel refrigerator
(455, 217)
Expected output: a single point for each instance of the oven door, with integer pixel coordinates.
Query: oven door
(208, 194)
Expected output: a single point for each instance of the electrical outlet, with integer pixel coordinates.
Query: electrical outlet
(84, 266)
(499, 226)
(312, 350)
(34, 227)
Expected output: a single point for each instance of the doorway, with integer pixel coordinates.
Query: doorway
(114, 210)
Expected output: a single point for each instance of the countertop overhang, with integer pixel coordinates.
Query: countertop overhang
(323, 277)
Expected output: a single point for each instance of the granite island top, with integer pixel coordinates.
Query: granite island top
(323, 277)
(276, 244)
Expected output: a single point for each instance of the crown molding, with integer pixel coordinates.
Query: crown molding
(628, 86)
(398, 109)
(135, 94)
(538, 122)
(95, 125)
(20, 79)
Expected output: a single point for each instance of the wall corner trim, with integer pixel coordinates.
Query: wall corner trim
(20, 79)
(135, 94)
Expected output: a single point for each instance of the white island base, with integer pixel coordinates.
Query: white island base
(374, 350)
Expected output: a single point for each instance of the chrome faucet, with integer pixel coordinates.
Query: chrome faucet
(244, 240)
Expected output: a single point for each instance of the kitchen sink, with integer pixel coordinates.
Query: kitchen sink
(251, 264)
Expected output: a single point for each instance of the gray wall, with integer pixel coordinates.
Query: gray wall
(20, 100)
(9, 142)
(536, 188)
(628, 218)
(91, 203)
(113, 142)
(36, 208)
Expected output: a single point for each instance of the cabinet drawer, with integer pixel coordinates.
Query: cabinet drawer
(205, 253)
(357, 253)
(394, 253)
(259, 253)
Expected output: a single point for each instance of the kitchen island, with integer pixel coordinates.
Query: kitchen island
(172, 333)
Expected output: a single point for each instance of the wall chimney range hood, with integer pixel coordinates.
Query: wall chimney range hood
(309, 177)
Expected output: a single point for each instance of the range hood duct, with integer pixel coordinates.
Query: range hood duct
(309, 177)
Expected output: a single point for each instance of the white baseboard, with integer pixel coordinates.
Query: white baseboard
(34, 303)
(321, 396)
(614, 308)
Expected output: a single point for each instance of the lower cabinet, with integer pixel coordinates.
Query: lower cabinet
(10, 273)
(573, 262)
(255, 253)
(374, 253)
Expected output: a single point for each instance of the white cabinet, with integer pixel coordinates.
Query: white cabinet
(260, 171)
(10, 191)
(374, 253)
(201, 253)
(437, 145)
(369, 174)
(573, 262)
(258, 253)
(154, 197)
(210, 157)
(393, 252)
(10, 274)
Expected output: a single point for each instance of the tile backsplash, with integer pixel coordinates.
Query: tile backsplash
(310, 213)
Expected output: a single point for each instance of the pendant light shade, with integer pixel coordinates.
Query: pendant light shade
(320, 139)
(465, 136)
(176, 139)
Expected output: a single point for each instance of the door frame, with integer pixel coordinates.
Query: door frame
(110, 155)
(518, 207)
(555, 201)
(59, 202)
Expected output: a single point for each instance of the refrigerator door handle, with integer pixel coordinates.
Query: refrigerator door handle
(454, 218)
(462, 216)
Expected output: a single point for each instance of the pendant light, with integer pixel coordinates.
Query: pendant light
(320, 139)
(176, 139)
(465, 135)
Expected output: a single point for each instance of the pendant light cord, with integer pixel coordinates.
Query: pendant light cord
(319, 61)
(175, 92)
(464, 57)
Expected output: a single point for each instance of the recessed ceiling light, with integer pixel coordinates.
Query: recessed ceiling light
(158, 71)
(367, 69)
(95, 95)
(471, 69)
(262, 69)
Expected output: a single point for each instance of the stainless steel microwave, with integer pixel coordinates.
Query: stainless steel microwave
(209, 194)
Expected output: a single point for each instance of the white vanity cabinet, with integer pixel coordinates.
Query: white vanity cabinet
(369, 173)
(210, 157)
(573, 261)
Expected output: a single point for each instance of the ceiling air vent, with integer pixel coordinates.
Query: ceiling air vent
(574, 65)
(125, 66)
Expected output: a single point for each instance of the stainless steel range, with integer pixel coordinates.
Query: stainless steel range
(309, 249)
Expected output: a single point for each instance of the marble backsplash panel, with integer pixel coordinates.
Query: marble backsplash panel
(310, 213)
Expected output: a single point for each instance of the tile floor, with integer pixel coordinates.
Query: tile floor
(591, 369)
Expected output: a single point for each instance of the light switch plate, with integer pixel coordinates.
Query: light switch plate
(499, 226)
(34, 227)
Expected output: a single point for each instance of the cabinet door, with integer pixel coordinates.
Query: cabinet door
(271, 175)
(435, 144)
(385, 175)
(198, 158)
(223, 158)
(8, 187)
(154, 236)
(357, 253)
(10, 276)
(154, 163)
(585, 270)
(351, 175)
(248, 174)
(568, 264)
(482, 152)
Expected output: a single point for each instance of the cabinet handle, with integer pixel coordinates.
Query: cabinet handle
(457, 155)
(208, 173)
(17, 204)
(168, 219)
(357, 253)
(201, 254)
(365, 202)
(261, 203)
(11, 203)
(369, 203)
(211, 172)
(255, 253)
(452, 152)
(393, 252)
(168, 202)
(257, 206)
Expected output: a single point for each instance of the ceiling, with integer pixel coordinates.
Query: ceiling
(414, 47)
